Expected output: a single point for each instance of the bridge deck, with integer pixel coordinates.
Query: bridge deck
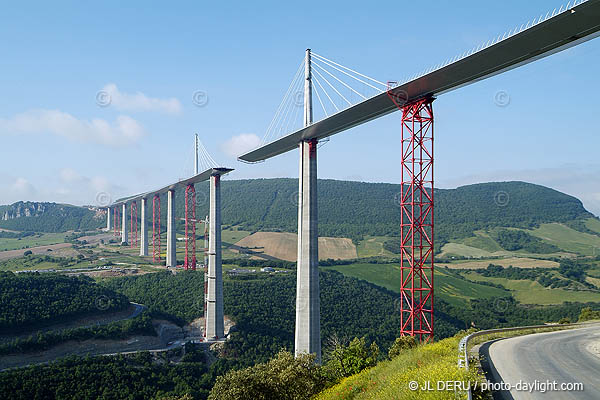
(560, 32)
(201, 177)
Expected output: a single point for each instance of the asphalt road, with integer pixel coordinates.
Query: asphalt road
(564, 356)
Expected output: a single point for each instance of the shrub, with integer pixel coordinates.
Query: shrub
(400, 344)
(344, 361)
(588, 314)
(283, 377)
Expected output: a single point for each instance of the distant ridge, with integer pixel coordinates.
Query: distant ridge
(346, 208)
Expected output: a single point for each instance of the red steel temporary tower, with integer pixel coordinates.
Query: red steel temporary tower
(133, 224)
(416, 219)
(190, 228)
(156, 228)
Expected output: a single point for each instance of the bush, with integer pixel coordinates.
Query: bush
(344, 361)
(283, 377)
(564, 320)
(588, 314)
(402, 343)
(28, 253)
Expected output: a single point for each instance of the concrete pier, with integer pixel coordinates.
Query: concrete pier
(308, 312)
(108, 217)
(124, 225)
(171, 258)
(214, 309)
(308, 305)
(143, 229)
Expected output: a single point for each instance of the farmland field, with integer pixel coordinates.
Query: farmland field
(448, 287)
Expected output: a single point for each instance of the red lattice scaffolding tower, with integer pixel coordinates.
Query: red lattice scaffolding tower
(205, 251)
(416, 221)
(117, 221)
(190, 228)
(156, 228)
(133, 226)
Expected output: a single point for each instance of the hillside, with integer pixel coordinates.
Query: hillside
(33, 300)
(354, 209)
(346, 209)
(48, 217)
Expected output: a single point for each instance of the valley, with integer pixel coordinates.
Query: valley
(515, 268)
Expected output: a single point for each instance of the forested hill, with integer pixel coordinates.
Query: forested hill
(352, 209)
(48, 217)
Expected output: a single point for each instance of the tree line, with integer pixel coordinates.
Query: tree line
(30, 300)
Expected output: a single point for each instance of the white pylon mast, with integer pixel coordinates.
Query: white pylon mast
(196, 155)
(308, 112)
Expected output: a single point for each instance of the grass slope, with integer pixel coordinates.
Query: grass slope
(568, 239)
(447, 286)
(593, 224)
(531, 292)
(31, 241)
(390, 379)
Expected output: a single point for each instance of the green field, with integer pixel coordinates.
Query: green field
(568, 239)
(463, 250)
(229, 237)
(448, 287)
(483, 245)
(593, 224)
(31, 262)
(372, 246)
(45, 239)
(594, 272)
(233, 236)
(531, 292)
(482, 240)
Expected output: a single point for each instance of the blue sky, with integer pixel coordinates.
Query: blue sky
(58, 144)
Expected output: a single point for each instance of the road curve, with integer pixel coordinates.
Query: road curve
(563, 356)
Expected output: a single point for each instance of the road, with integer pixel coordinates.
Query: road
(565, 357)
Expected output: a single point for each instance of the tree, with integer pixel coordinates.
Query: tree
(400, 344)
(572, 269)
(343, 361)
(28, 253)
(283, 377)
(588, 314)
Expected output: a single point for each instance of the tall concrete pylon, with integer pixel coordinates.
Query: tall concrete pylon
(308, 312)
(214, 307)
(171, 258)
(124, 225)
(108, 217)
(143, 229)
